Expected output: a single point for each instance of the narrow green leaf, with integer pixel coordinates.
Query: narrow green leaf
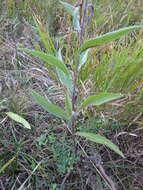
(48, 58)
(7, 164)
(65, 80)
(68, 104)
(19, 119)
(75, 12)
(76, 19)
(101, 140)
(108, 37)
(59, 55)
(48, 106)
(83, 58)
(69, 8)
(99, 99)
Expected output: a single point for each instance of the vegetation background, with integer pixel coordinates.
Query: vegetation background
(42, 158)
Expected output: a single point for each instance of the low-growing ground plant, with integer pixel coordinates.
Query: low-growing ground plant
(69, 79)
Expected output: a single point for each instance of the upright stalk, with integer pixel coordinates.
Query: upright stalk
(72, 124)
(84, 7)
(83, 14)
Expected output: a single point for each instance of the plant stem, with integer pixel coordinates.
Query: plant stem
(72, 123)
(83, 7)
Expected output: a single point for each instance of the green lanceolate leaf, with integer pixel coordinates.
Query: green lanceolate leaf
(99, 99)
(68, 102)
(101, 140)
(76, 19)
(65, 80)
(48, 58)
(69, 8)
(75, 12)
(108, 37)
(48, 106)
(82, 59)
(19, 119)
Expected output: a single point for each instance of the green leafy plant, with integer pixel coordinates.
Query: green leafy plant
(73, 101)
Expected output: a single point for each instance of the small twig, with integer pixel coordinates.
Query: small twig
(22, 186)
(100, 167)
(135, 119)
(64, 180)
(2, 185)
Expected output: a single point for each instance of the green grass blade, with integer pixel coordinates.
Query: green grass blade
(48, 58)
(7, 164)
(101, 140)
(44, 35)
(19, 119)
(99, 99)
(48, 106)
(108, 37)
